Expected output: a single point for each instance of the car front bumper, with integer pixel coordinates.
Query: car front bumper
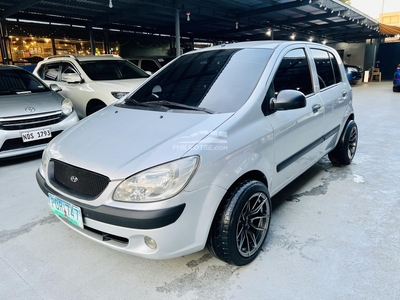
(11, 140)
(177, 230)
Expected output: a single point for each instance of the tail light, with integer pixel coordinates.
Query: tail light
(398, 67)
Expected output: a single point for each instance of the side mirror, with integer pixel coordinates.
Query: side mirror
(72, 78)
(55, 87)
(288, 99)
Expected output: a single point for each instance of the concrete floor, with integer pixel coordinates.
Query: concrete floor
(334, 235)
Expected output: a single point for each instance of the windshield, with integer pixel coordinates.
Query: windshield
(112, 70)
(19, 81)
(218, 81)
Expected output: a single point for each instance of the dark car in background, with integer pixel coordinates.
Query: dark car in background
(354, 73)
(151, 64)
(396, 80)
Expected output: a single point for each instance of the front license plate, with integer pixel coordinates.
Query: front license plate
(66, 210)
(36, 135)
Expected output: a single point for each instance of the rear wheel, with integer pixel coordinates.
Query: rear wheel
(345, 150)
(241, 224)
(396, 89)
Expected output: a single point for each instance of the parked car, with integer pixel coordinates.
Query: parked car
(91, 82)
(396, 80)
(193, 156)
(31, 114)
(354, 73)
(151, 64)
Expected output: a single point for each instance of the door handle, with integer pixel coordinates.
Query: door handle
(344, 93)
(316, 107)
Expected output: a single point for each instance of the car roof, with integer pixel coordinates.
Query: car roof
(86, 57)
(272, 44)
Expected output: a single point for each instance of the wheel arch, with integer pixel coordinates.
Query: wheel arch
(250, 175)
(93, 102)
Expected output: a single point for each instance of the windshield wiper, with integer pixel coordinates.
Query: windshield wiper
(169, 104)
(155, 106)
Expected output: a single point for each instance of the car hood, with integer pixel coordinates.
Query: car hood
(119, 142)
(29, 104)
(121, 85)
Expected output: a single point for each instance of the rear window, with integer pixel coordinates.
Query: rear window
(219, 80)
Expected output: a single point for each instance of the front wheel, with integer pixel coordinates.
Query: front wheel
(241, 224)
(345, 150)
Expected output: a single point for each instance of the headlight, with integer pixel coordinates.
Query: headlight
(118, 95)
(67, 107)
(158, 183)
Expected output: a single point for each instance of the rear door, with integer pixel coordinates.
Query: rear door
(335, 92)
(297, 132)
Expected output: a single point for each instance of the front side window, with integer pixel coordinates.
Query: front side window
(219, 80)
(112, 70)
(66, 70)
(294, 73)
(19, 81)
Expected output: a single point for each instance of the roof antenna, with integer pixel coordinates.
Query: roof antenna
(110, 4)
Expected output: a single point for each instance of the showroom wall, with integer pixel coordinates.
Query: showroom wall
(352, 54)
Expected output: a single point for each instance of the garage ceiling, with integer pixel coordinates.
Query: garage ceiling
(223, 20)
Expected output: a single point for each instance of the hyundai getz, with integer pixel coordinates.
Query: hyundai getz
(193, 157)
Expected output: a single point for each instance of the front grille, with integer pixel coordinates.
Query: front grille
(80, 182)
(17, 143)
(18, 123)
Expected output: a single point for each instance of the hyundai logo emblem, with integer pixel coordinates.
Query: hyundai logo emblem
(74, 179)
(29, 109)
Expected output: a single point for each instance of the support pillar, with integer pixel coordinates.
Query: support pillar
(177, 34)
(3, 45)
(91, 39)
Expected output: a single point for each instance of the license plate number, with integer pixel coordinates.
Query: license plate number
(66, 210)
(35, 135)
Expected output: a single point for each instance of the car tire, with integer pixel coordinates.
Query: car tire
(396, 89)
(241, 224)
(345, 150)
(93, 108)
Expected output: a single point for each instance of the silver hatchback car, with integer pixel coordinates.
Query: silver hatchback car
(31, 114)
(193, 157)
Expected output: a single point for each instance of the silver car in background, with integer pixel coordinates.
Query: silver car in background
(31, 113)
(193, 156)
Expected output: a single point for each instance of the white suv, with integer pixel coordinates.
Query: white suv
(91, 82)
